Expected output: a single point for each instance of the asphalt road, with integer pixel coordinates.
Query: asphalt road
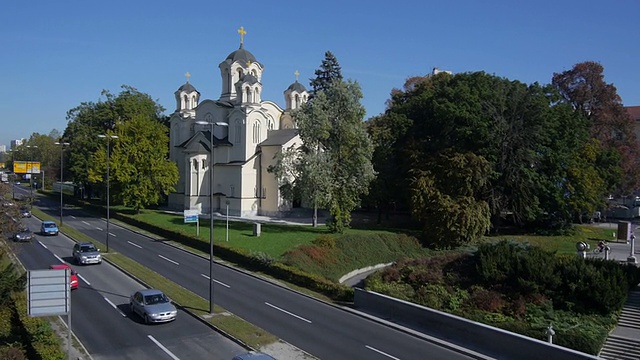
(100, 315)
(325, 331)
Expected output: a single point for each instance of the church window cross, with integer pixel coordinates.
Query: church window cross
(242, 33)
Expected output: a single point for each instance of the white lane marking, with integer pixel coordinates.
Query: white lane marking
(381, 352)
(98, 228)
(288, 313)
(169, 260)
(115, 307)
(86, 223)
(83, 279)
(134, 244)
(112, 234)
(59, 258)
(71, 216)
(43, 245)
(216, 281)
(163, 348)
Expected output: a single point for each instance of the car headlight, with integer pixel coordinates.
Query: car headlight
(153, 315)
(83, 257)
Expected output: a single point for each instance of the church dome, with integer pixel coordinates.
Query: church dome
(187, 87)
(241, 55)
(249, 78)
(296, 86)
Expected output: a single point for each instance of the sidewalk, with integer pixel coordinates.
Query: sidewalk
(623, 343)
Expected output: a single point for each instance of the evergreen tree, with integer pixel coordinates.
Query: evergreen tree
(328, 72)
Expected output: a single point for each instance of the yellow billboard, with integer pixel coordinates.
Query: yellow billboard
(26, 167)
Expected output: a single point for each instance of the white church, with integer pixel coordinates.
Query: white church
(247, 133)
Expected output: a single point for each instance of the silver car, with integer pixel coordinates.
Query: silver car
(153, 306)
(23, 234)
(86, 253)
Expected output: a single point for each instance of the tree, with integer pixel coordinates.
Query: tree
(329, 72)
(139, 166)
(334, 167)
(531, 141)
(445, 198)
(111, 116)
(584, 88)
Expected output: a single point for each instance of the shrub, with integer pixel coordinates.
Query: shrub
(324, 240)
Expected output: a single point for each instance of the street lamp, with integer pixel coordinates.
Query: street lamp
(30, 170)
(108, 137)
(62, 145)
(211, 164)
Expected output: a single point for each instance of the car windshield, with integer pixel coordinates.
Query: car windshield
(50, 225)
(155, 299)
(88, 248)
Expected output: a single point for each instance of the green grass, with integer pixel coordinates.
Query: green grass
(275, 239)
(564, 244)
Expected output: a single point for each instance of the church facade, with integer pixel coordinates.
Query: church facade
(247, 133)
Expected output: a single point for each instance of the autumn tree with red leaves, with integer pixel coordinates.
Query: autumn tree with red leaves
(585, 89)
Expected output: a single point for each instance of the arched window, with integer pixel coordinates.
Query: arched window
(185, 102)
(256, 132)
(270, 126)
(204, 164)
(240, 73)
(195, 164)
(254, 73)
(297, 101)
(248, 94)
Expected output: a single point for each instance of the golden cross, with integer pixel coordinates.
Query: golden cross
(242, 34)
(248, 63)
(188, 76)
(296, 73)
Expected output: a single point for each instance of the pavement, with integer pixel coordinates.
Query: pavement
(623, 343)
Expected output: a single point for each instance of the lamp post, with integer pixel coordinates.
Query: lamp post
(211, 164)
(62, 145)
(30, 170)
(108, 137)
(227, 202)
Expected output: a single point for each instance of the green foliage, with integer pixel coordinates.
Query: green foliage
(335, 165)
(541, 166)
(11, 279)
(519, 288)
(329, 72)
(87, 158)
(443, 199)
(142, 172)
(41, 338)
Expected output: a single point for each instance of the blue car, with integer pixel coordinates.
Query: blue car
(49, 228)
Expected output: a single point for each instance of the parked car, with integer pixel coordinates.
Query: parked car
(25, 212)
(252, 355)
(86, 253)
(73, 278)
(49, 228)
(24, 234)
(153, 306)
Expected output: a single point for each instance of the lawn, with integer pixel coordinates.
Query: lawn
(564, 244)
(275, 239)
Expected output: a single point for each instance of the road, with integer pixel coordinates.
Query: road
(100, 312)
(323, 330)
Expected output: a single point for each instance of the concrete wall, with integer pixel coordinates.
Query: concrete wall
(475, 336)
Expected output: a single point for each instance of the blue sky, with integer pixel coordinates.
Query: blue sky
(58, 54)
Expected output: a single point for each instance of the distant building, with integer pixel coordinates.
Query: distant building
(16, 143)
(3, 148)
(248, 133)
(634, 113)
(437, 71)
